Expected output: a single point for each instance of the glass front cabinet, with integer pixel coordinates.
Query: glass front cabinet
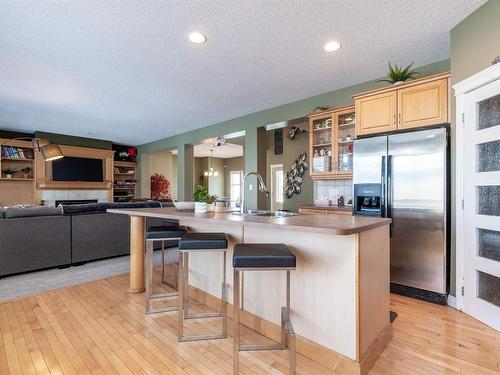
(331, 134)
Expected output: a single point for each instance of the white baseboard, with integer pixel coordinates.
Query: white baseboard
(452, 301)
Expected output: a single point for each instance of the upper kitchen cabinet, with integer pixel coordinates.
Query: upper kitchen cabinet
(424, 104)
(330, 143)
(376, 113)
(413, 104)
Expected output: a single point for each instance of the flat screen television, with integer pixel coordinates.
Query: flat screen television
(77, 169)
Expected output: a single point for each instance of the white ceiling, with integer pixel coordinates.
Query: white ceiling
(125, 71)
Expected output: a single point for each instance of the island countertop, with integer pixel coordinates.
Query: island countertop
(339, 289)
(330, 224)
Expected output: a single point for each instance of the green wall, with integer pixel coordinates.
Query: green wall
(475, 42)
(250, 124)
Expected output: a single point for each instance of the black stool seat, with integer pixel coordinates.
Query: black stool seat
(165, 231)
(200, 241)
(263, 255)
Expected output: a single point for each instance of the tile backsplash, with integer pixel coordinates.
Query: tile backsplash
(331, 189)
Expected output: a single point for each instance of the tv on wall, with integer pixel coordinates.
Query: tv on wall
(77, 169)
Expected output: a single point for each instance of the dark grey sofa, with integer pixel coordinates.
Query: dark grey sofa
(32, 243)
(79, 235)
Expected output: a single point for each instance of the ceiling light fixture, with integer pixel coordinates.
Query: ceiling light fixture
(332, 46)
(197, 38)
(211, 172)
(219, 142)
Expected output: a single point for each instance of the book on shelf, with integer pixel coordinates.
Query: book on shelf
(11, 152)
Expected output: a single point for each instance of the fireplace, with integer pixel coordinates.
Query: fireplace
(75, 201)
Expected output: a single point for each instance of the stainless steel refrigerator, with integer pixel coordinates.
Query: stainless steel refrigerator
(403, 176)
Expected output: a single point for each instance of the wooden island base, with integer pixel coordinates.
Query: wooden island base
(339, 290)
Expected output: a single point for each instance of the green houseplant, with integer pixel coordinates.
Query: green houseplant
(8, 172)
(200, 199)
(203, 200)
(398, 74)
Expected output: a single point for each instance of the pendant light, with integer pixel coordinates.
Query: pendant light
(211, 172)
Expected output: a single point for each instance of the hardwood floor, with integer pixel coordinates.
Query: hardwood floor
(99, 328)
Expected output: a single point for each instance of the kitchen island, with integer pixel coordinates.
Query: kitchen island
(339, 291)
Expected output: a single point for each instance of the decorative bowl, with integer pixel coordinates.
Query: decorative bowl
(184, 205)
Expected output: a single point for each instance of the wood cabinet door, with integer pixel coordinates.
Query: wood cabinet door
(376, 113)
(421, 105)
(346, 213)
(311, 211)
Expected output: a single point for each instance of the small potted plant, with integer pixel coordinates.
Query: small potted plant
(26, 172)
(8, 172)
(399, 74)
(211, 202)
(200, 199)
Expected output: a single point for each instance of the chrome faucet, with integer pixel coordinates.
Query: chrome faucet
(261, 185)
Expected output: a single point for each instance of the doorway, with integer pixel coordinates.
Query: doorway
(478, 196)
(277, 180)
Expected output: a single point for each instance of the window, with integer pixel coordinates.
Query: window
(279, 185)
(236, 178)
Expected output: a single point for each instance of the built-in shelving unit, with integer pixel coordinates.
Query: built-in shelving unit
(124, 181)
(330, 144)
(20, 187)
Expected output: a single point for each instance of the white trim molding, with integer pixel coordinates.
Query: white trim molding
(452, 301)
(477, 80)
(461, 89)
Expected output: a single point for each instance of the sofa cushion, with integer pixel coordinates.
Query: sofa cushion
(88, 208)
(15, 212)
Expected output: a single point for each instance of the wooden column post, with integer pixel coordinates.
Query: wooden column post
(136, 254)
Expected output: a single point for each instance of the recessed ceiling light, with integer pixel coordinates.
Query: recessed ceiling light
(197, 38)
(332, 46)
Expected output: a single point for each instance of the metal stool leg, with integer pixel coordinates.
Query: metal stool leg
(180, 325)
(236, 322)
(184, 297)
(286, 328)
(150, 295)
(173, 285)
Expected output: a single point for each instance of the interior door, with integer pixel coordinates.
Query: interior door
(416, 168)
(481, 229)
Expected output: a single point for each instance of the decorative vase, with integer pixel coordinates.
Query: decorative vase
(397, 83)
(200, 207)
(210, 207)
(8, 175)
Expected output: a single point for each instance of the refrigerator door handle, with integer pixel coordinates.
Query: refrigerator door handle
(389, 192)
(383, 183)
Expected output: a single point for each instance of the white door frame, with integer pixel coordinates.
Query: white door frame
(272, 167)
(470, 84)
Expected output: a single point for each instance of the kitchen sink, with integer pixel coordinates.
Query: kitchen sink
(266, 213)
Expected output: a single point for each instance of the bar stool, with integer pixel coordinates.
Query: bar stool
(263, 257)
(159, 233)
(193, 243)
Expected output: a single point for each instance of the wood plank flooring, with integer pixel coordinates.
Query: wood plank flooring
(99, 328)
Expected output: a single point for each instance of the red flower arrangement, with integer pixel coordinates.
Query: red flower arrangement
(159, 187)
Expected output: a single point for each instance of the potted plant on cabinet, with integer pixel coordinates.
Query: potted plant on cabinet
(8, 172)
(399, 74)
